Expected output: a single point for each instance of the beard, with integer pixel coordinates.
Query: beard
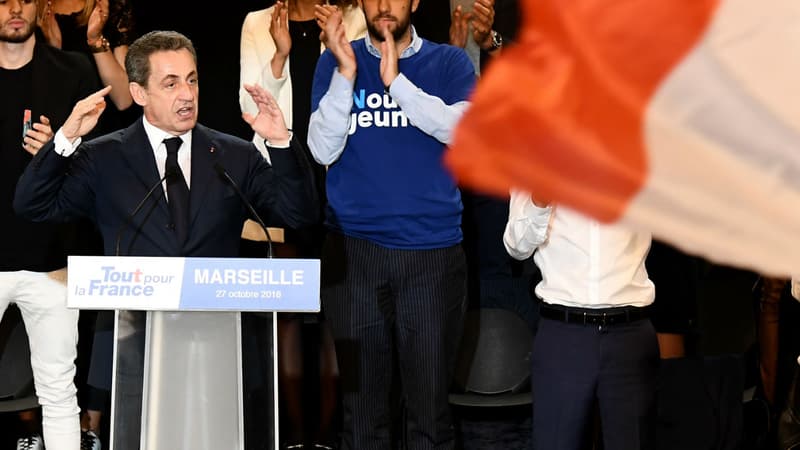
(17, 37)
(401, 26)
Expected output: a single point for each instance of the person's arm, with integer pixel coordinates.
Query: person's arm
(527, 227)
(332, 91)
(286, 191)
(328, 124)
(433, 115)
(796, 287)
(110, 61)
(282, 40)
(255, 64)
(427, 112)
(44, 191)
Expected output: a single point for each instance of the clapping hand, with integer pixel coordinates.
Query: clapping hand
(279, 29)
(97, 20)
(459, 27)
(334, 36)
(482, 21)
(389, 69)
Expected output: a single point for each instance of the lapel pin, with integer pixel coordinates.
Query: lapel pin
(212, 149)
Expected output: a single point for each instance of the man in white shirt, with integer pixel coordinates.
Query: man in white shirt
(595, 341)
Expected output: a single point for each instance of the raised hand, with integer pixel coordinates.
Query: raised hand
(269, 122)
(279, 29)
(37, 136)
(334, 36)
(85, 114)
(389, 70)
(97, 20)
(482, 21)
(459, 27)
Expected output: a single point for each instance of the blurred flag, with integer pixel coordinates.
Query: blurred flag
(677, 116)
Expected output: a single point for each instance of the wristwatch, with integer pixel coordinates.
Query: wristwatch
(497, 41)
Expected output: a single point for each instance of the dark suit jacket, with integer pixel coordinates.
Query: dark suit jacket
(110, 175)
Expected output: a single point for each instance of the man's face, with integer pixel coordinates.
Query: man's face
(392, 14)
(17, 20)
(170, 100)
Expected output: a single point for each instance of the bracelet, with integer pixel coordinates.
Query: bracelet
(101, 45)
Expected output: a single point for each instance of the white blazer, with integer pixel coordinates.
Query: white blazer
(257, 49)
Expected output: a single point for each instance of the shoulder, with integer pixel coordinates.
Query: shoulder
(453, 59)
(447, 52)
(220, 139)
(120, 137)
(113, 139)
(259, 18)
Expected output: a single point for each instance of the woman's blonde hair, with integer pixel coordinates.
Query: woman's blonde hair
(45, 6)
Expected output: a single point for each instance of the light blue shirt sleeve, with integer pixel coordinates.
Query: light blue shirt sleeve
(427, 112)
(329, 124)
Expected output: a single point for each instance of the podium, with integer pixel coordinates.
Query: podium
(178, 362)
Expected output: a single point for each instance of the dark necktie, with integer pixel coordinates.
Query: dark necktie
(177, 190)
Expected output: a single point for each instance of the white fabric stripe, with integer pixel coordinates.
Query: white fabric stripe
(722, 135)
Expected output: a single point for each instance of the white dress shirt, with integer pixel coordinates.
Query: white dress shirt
(584, 263)
(156, 138)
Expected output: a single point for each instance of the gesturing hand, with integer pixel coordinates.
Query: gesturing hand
(334, 36)
(85, 114)
(269, 122)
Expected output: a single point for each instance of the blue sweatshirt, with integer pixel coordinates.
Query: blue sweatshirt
(389, 185)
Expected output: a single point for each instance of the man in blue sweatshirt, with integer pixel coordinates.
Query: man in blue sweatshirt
(383, 109)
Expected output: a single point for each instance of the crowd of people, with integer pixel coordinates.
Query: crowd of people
(350, 107)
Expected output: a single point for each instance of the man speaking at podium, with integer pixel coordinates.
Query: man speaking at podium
(163, 186)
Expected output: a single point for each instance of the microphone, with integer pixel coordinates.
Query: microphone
(169, 173)
(224, 174)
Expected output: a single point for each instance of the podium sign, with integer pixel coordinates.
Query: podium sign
(177, 368)
(193, 284)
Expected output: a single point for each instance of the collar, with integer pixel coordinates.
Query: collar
(156, 136)
(413, 49)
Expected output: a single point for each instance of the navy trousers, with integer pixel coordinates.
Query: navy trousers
(385, 305)
(576, 365)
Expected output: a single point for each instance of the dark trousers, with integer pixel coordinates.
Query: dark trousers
(380, 303)
(576, 365)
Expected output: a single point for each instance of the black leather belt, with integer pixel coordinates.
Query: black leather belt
(589, 316)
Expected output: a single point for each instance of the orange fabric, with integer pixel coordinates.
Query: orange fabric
(560, 113)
